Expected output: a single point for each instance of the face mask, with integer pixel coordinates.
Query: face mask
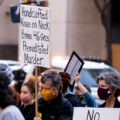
(103, 93)
(47, 94)
(25, 98)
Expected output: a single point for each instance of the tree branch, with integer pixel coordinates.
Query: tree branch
(102, 11)
(105, 19)
(98, 6)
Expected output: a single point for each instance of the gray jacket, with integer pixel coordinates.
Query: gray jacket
(11, 113)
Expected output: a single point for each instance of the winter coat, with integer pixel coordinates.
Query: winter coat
(74, 101)
(59, 109)
(28, 111)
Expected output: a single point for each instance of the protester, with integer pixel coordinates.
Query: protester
(52, 106)
(8, 110)
(66, 78)
(27, 97)
(109, 89)
(89, 100)
(79, 94)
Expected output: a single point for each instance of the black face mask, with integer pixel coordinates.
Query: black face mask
(103, 93)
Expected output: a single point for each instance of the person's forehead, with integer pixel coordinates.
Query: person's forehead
(24, 88)
(47, 83)
(103, 83)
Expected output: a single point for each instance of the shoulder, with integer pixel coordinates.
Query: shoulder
(74, 100)
(64, 101)
(21, 107)
(11, 108)
(40, 100)
(28, 108)
(12, 112)
(66, 111)
(66, 105)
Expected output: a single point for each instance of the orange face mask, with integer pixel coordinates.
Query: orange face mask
(47, 94)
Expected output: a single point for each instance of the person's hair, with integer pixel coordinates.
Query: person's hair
(112, 79)
(6, 94)
(17, 86)
(54, 77)
(30, 84)
(66, 78)
(4, 81)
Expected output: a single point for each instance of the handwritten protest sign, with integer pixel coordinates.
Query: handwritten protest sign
(96, 113)
(35, 35)
(74, 66)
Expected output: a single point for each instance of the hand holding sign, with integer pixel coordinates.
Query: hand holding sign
(81, 87)
(37, 118)
(77, 78)
(35, 39)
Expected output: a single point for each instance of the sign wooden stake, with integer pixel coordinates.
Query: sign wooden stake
(36, 91)
(38, 29)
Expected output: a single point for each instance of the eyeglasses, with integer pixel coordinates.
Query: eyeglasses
(41, 88)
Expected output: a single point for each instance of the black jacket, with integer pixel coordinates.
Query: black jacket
(59, 109)
(28, 111)
(74, 100)
(116, 105)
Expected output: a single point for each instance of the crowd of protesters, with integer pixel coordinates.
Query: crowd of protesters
(56, 101)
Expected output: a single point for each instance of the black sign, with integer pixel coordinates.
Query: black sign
(74, 66)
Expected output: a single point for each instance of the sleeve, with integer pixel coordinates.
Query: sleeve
(67, 111)
(9, 116)
(90, 101)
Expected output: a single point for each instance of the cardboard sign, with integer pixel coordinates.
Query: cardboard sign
(96, 113)
(74, 66)
(35, 35)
